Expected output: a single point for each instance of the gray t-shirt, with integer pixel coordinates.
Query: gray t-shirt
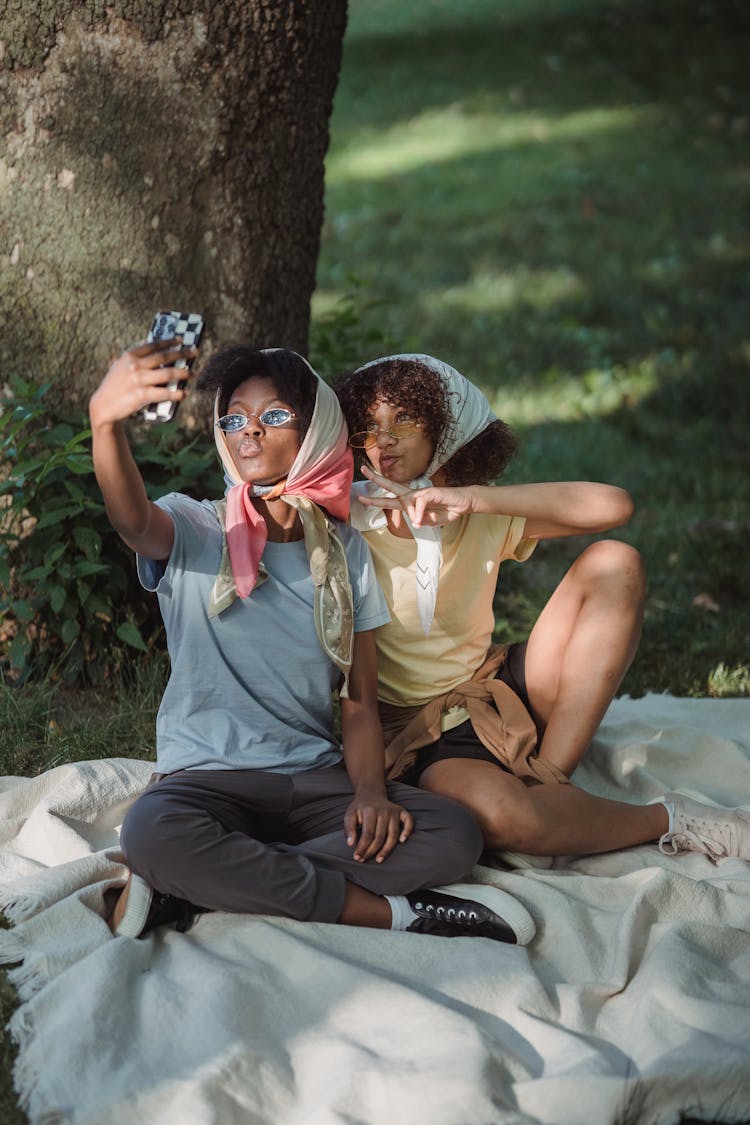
(251, 688)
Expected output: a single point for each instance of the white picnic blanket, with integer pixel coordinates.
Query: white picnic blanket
(632, 1002)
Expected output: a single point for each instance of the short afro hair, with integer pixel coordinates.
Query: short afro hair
(292, 378)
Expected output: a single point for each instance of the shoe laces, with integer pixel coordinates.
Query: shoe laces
(687, 841)
(452, 914)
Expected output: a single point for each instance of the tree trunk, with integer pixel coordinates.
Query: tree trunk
(156, 154)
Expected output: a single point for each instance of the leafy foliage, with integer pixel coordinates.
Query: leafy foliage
(349, 331)
(71, 602)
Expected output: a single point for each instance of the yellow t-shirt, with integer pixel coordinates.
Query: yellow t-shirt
(414, 668)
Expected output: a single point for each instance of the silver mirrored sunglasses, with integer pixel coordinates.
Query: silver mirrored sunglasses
(230, 423)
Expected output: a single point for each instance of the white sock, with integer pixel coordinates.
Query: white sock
(670, 813)
(669, 806)
(402, 914)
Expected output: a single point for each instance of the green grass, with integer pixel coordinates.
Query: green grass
(553, 196)
(43, 725)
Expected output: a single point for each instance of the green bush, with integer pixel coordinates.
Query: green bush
(71, 602)
(349, 332)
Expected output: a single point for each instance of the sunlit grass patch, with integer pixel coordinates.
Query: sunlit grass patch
(723, 680)
(490, 290)
(460, 132)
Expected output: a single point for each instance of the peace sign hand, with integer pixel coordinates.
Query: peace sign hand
(431, 507)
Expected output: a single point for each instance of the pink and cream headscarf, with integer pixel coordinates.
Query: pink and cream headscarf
(470, 414)
(320, 477)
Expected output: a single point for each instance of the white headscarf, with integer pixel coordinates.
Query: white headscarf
(470, 414)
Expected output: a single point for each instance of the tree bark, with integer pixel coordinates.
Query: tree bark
(159, 154)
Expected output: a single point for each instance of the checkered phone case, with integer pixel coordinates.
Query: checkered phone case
(166, 325)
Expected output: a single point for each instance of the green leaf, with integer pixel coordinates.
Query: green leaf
(129, 633)
(56, 551)
(4, 573)
(52, 516)
(70, 631)
(96, 605)
(57, 598)
(81, 464)
(36, 574)
(23, 469)
(82, 568)
(22, 609)
(74, 490)
(60, 433)
(18, 650)
(88, 540)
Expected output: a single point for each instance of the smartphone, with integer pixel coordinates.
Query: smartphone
(165, 326)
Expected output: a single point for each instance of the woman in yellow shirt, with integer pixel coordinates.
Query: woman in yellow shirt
(499, 728)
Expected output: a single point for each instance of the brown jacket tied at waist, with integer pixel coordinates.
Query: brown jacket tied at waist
(498, 717)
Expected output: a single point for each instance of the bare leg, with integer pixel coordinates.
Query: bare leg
(581, 647)
(542, 819)
(363, 908)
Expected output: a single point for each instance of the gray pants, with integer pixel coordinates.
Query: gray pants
(253, 842)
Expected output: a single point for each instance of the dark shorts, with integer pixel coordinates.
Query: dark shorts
(461, 741)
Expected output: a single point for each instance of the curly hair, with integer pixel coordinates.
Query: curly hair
(292, 378)
(484, 458)
(401, 383)
(416, 388)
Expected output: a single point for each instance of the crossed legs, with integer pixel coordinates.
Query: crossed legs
(255, 842)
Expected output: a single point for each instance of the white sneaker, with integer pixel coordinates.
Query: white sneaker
(132, 908)
(714, 831)
(140, 909)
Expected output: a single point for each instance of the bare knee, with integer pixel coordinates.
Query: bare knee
(506, 819)
(615, 568)
(499, 802)
(511, 826)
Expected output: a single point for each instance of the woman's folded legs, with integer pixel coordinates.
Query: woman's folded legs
(251, 842)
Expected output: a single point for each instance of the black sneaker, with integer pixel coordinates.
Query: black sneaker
(466, 910)
(140, 909)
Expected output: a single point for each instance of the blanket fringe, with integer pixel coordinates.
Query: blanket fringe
(28, 975)
(11, 947)
(21, 1027)
(17, 907)
(25, 1076)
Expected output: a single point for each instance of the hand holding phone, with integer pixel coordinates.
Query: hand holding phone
(165, 326)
